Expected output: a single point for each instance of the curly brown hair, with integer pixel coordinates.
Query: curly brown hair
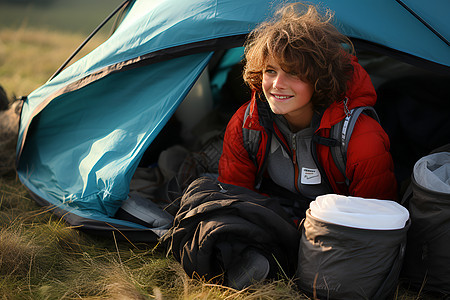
(302, 42)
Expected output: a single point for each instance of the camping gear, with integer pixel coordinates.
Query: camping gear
(427, 259)
(219, 224)
(144, 212)
(352, 248)
(84, 132)
(252, 268)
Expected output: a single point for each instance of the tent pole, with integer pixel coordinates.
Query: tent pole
(126, 2)
(423, 22)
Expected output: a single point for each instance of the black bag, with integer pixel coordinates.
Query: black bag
(427, 260)
(342, 262)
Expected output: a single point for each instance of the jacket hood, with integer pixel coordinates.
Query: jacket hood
(360, 92)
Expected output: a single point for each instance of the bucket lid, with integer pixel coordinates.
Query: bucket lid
(359, 212)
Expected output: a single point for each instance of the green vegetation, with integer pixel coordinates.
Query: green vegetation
(81, 16)
(28, 57)
(32, 46)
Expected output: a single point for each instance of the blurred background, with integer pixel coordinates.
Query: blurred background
(80, 16)
(37, 36)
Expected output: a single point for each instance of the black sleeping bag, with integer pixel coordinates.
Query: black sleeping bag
(216, 222)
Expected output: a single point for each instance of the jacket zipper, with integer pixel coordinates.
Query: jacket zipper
(294, 161)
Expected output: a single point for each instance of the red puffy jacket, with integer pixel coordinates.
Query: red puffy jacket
(369, 163)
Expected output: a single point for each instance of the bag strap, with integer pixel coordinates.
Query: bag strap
(251, 138)
(342, 132)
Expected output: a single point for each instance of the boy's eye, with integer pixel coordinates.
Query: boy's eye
(269, 71)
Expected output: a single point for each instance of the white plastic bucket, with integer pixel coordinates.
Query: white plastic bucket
(359, 212)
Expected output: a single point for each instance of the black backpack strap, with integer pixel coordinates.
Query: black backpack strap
(342, 132)
(252, 139)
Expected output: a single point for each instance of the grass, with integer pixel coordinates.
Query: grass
(35, 39)
(28, 57)
(80, 16)
(44, 258)
(41, 257)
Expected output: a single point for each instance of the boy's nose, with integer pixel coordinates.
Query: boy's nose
(279, 82)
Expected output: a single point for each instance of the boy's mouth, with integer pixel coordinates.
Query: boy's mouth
(281, 97)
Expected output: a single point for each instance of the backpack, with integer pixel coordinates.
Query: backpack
(340, 135)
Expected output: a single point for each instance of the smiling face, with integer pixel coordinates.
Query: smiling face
(288, 95)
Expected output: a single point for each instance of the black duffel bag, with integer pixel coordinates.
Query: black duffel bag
(427, 260)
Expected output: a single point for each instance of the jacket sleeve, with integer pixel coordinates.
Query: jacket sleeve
(369, 162)
(235, 165)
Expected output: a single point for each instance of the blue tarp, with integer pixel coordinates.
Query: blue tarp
(83, 133)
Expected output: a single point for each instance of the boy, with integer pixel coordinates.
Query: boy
(303, 82)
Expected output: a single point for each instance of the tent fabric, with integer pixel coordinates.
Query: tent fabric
(92, 154)
(83, 133)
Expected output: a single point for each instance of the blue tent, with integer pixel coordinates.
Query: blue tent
(83, 133)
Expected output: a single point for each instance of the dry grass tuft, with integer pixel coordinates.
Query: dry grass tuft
(17, 253)
(119, 284)
(271, 290)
